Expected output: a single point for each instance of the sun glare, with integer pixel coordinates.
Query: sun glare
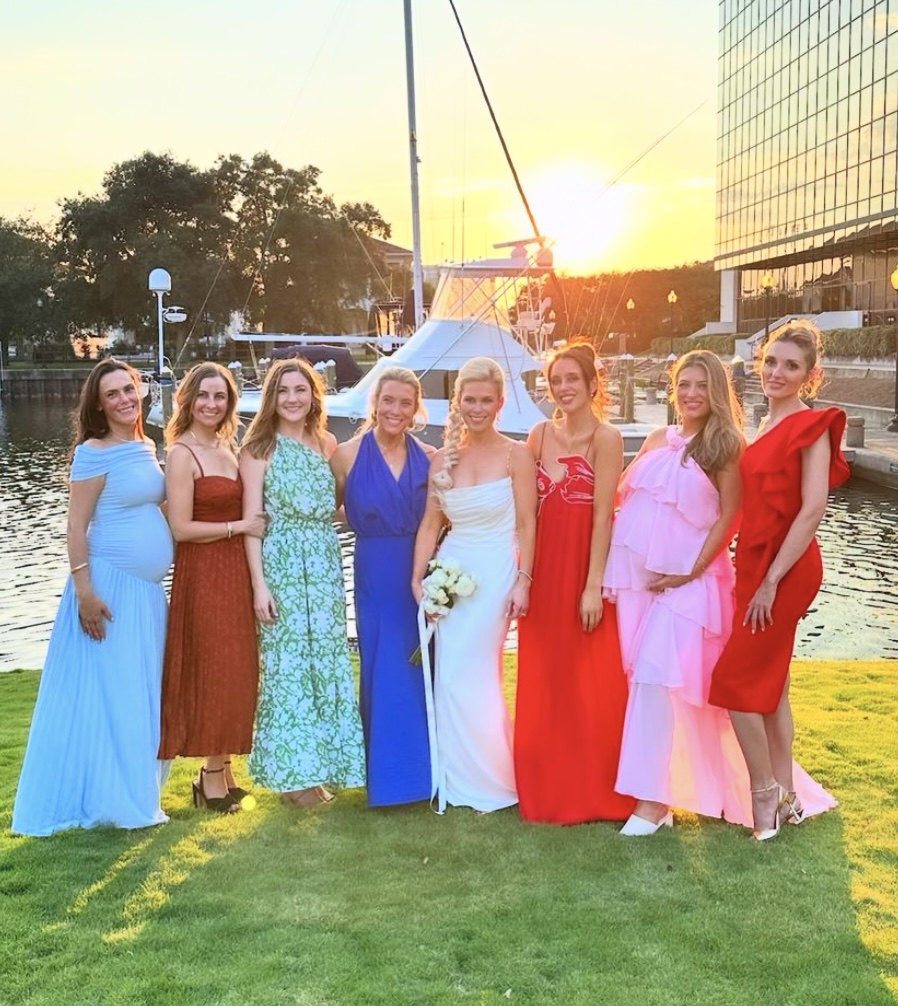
(585, 222)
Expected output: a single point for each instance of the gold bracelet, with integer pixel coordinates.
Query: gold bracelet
(523, 572)
(230, 529)
(81, 565)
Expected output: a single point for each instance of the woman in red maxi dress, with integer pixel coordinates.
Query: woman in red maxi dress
(571, 691)
(211, 672)
(787, 474)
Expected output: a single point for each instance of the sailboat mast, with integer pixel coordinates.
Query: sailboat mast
(417, 268)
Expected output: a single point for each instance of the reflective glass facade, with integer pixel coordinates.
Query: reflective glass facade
(807, 152)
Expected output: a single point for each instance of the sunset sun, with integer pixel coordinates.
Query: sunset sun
(584, 221)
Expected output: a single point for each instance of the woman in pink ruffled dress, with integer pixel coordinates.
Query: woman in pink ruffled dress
(670, 573)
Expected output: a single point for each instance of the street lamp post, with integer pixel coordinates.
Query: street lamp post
(893, 425)
(672, 300)
(159, 284)
(671, 411)
(627, 403)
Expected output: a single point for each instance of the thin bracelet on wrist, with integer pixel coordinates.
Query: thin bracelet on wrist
(230, 529)
(81, 565)
(523, 572)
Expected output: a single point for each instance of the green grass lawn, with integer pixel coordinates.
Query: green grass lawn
(344, 905)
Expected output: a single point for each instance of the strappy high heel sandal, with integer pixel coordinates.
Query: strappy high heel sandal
(793, 812)
(237, 792)
(220, 804)
(765, 834)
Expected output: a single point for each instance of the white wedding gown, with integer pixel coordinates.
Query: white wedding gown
(474, 737)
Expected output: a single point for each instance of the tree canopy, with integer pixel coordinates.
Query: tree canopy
(244, 235)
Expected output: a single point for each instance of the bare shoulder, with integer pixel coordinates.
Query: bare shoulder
(328, 445)
(428, 449)
(657, 438)
(521, 455)
(437, 459)
(179, 460)
(345, 454)
(607, 435)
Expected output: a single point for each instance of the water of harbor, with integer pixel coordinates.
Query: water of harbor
(855, 614)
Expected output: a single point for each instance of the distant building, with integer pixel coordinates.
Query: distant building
(807, 159)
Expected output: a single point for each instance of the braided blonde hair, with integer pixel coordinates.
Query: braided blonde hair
(478, 368)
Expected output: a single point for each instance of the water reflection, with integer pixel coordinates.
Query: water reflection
(855, 615)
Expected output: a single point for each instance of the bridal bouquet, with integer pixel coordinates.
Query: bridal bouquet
(444, 583)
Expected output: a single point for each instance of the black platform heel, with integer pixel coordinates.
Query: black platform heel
(220, 804)
(237, 792)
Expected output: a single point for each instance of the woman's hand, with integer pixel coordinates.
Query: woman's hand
(591, 608)
(519, 601)
(264, 606)
(669, 581)
(759, 612)
(254, 526)
(92, 614)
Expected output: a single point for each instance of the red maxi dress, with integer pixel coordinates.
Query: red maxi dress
(751, 673)
(211, 674)
(572, 692)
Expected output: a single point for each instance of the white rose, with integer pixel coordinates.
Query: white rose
(465, 586)
(437, 578)
(451, 566)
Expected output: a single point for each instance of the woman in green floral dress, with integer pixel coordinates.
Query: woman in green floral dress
(308, 729)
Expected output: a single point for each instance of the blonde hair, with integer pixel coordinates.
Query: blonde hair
(186, 395)
(583, 355)
(807, 337)
(720, 440)
(478, 368)
(260, 437)
(404, 376)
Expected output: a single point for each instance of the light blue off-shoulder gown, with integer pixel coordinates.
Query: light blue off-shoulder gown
(91, 755)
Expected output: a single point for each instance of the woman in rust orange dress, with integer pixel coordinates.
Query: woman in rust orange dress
(572, 692)
(211, 656)
(787, 474)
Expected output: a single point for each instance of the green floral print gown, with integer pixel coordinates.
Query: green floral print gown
(308, 728)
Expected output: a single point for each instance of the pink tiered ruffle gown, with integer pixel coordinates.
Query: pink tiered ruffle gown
(677, 750)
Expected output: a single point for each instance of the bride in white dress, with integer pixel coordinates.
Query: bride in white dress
(483, 486)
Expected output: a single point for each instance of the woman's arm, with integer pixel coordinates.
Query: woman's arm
(729, 486)
(92, 610)
(180, 473)
(607, 465)
(428, 531)
(523, 480)
(252, 473)
(341, 463)
(814, 495)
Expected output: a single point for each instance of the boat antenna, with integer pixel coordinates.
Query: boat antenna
(417, 267)
(514, 173)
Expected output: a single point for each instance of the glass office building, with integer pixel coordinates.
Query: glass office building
(807, 157)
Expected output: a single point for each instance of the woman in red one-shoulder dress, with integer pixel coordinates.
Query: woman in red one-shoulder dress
(572, 692)
(787, 474)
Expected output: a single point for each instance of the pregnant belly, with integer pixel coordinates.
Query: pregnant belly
(139, 544)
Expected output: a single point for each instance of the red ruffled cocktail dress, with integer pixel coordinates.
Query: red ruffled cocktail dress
(571, 693)
(752, 670)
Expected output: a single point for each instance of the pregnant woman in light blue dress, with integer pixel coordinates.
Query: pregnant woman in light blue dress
(382, 482)
(484, 485)
(91, 755)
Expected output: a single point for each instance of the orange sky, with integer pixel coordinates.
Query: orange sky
(580, 88)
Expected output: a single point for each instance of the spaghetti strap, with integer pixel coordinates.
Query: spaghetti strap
(193, 455)
(542, 439)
